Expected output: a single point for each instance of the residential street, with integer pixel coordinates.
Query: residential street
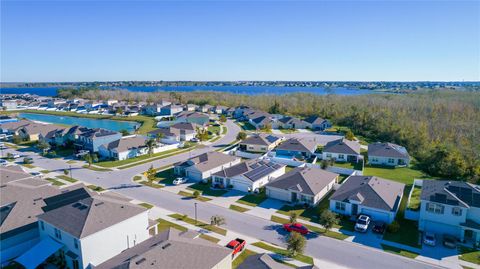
(334, 251)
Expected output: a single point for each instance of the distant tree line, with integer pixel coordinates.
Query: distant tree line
(440, 129)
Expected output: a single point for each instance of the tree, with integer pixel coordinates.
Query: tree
(151, 173)
(65, 172)
(217, 220)
(88, 158)
(94, 158)
(293, 217)
(43, 146)
(27, 160)
(349, 135)
(267, 127)
(124, 132)
(328, 219)
(9, 155)
(202, 134)
(326, 163)
(223, 118)
(196, 194)
(150, 144)
(241, 136)
(119, 111)
(159, 137)
(275, 108)
(295, 244)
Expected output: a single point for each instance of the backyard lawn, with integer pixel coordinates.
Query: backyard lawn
(348, 165)
(252, 199)
(204, 189)
(404, 175)
(241, 258)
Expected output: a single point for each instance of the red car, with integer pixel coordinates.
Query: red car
(237, 245)
(296, 227)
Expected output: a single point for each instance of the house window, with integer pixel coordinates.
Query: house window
(374, 159)
(42, 225)
(435, 208)
(263, 148)
(75, 243)
(341, 156)
(329, 155)
(58, 234)
(390, 160)
(456, 211)
(340, 206)
(307, 199)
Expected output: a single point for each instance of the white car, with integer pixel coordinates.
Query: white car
(362, 223)
(36, 174)
(16, 155)
(179, 180)
(3, 162)
(429, 239)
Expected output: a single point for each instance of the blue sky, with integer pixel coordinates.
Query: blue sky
(240, 40)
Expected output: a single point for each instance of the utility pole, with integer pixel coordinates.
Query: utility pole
(195, 213)
(71, 175)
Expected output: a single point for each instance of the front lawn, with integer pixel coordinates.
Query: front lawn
(165, 177)
(190, 195)
(253, 199)
(241, 258)
(284, 252)
(399, 251)
(146, 205)
(238, 208)
(288, 131)
(165, 224)
(314, 229)
(214, 129)
(200, 224)
(470, 255)
(204, 189)
(403, 175)
(152, 184)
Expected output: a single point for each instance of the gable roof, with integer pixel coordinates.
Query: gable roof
(261, 261)
(371, 191)
(127, 143)
(343, 146)
(191, 114)
(185, 126)
(299, 144)
(306, 180)
(387, 150)
(261, 139)
(95, 132)
(251, 169)
(290, 120)
(170, 249)
(315, 120)
(208, 161)
(454, 193)
(90, 215)
(15, 125)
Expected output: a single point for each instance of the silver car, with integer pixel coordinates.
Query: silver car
(429, 239)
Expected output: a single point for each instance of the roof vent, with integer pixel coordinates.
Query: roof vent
(140, 261)
(99, 204)
(166, 246)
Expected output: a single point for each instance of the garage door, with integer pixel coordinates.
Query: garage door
(241, 186)
(441, 228)
(377, 215)
(278, 194)
(194, 176)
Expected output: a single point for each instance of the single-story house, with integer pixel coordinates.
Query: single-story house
(201, 167)
(259, 119)
(450, 207)
(248, 176)
(260, 143)
(342, 150)
(181, 131)
(302, 185)
(190, 107)
(292, 123)
(36, 131)
(261, 261)
(297, 147)
(317, 123)
(373, 196)
(387, 154)
(124, 148)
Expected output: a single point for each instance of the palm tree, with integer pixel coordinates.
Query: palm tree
(150, 144)
(159, 136)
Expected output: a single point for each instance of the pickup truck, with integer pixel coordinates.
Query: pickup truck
(237, 245)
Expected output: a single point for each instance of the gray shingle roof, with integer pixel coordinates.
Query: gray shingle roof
(314, 120)
(371, 191)
(451, 193)
(387, 150)
(306, 180)
(127, 143)
(208, 160)
(261, 261)
(261, 139)
(298, 144)
(90, 215)
(170, 249)
(342, 146)
(251, 169)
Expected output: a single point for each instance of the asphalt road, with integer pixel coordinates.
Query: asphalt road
(343, 253)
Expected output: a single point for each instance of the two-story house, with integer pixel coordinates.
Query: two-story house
(92, 139)
(450, 207)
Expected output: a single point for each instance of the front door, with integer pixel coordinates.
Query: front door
(294, 197)
(468, 234)
(354, 209)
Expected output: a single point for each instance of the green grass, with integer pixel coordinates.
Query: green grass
(238, 208)
(190, 195)
(31, 166)
(399, 251)
(210, 238)
(175, 151)
(98, 169)
(137, 178)
(152, 185)
(204, 189)
(95, 188)
(314, 229)
(415, 199)
(44, 171)
(224, 130)
(211, 228)
(71, 162)
(214, 129)
(283, 252)
(469, 255)
(67, 178)
(55, 182)
(252, 199)
(165, 224)
(242, 257)
(403, 175)
(288, 131)
(136, 159)
(289, 168)
(146, 205)
(341, 178)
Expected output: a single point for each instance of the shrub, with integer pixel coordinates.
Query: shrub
(65, 172)
(196, 194)
(393, 227)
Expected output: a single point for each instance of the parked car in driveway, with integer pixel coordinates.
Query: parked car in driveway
(449, 241)
(379, 227)
(429, 239)
(179, 180)
(296, 227)
(362, 223)
(3, 162)
(237, 245)
(36, 174)
(194, 140)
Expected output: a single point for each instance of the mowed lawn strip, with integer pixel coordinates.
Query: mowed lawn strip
(283, 252)
(67, 178)
(200, 224)
(165, 224)
(399, 251)
(55, 182)
(252, 199)
(210, 238)
(190, 195)
(241, 258)
(314, 229)
(238, 208)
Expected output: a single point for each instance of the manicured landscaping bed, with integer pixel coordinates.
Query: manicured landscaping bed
(190, 195)
(210, 238)
(200, 224)
(470, 255)
(283, 252)
(399, 251)
(204, 189)
(238, 208)
(252, 199)
(241, 258)
(67, 178)
(415, 199)
(165, 224)
(146, 205)
(314, 229)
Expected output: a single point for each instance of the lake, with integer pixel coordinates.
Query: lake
(87, 122)
(249, 90)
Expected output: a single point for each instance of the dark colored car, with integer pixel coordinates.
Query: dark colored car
(237, 245)
(449, 241)
(379, 227)
(296, 227)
